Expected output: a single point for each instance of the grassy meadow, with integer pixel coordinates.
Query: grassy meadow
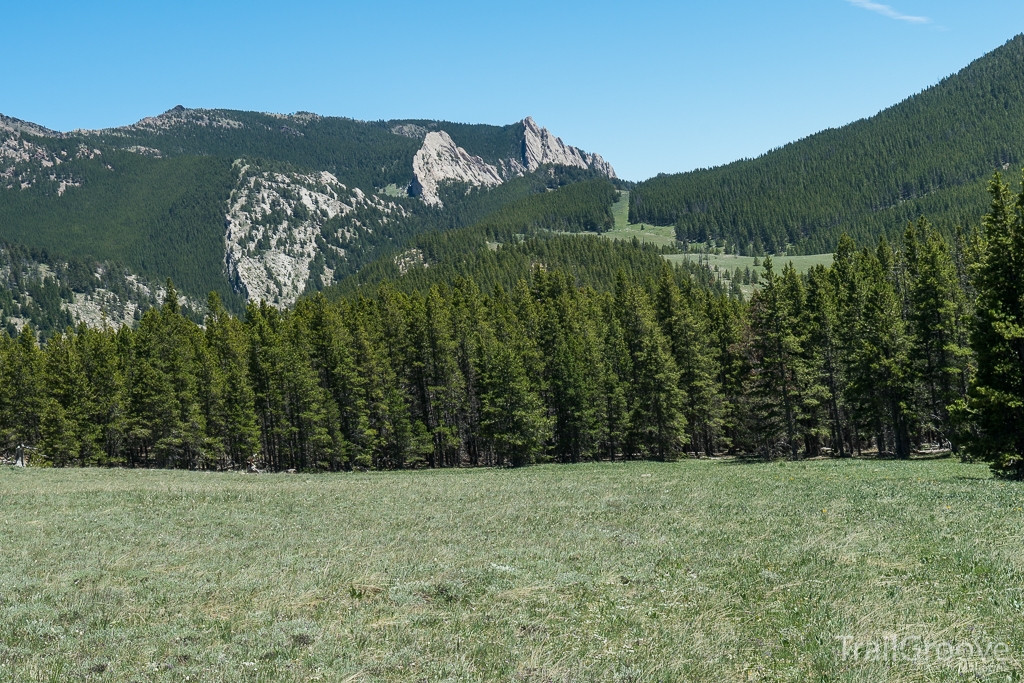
(731, 262)
(645, 232)
(689, 571)
(720, 263)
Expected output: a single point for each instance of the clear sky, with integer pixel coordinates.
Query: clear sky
(652, 86)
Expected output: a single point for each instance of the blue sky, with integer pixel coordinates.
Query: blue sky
(652, 86)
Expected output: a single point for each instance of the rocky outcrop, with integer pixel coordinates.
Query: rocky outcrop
(441, 160)
(13, 125)
(278, 223)
(410, 130)
(24, 164)
(541, 147)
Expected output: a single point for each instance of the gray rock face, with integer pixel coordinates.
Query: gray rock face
(440, 160)
(276, 224)
(541, 147)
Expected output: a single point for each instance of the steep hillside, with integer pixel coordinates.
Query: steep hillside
(262, 206)
(931, 154)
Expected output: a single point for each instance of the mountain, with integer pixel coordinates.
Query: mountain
(252, 205)
(928, 155)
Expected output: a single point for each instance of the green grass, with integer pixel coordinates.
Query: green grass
(729, 262)
(723, 261)
(393, 190)
(692, 571)
(645, 232)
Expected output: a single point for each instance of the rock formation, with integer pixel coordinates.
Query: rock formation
(277, 223)
(441, 160)
(541, 147)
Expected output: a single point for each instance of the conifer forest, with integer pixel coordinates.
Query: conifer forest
(907, 344)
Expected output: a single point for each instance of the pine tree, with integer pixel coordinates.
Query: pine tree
(290, 404)
(572, 346)
(689, 338)
(22, 396)
(513, 420)
(657, 426)
(65, 427)
(879, 371)
(785, 378)
(167, 424)
(103, 362)
(935, 303)
(824, 344)
(227, 393)
(996, 401)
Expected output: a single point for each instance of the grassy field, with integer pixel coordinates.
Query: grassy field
(645, 232)
(691, 571)
(730, 262)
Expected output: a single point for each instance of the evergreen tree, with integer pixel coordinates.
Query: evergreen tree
(936, 305)
(167, 425)
(996, 402)
(227, 393)
(65, 427)
(824, 343)
(656, 421)
(23, 396)
(785, 383)
(689, 338)
(571, 344)
(879, 372)
(513, 420)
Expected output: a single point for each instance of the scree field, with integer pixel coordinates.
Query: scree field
(690, 571)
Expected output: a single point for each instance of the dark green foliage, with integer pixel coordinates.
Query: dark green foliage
(158, 217)
(531, 202)
(929, 155)
(359, 154)
(506, 246)
(993, 415)
(786, 387)
(553, 347)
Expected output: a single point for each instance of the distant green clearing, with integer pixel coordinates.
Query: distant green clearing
(645, 232)
(393, 190)
(730, 262)
(692, 571)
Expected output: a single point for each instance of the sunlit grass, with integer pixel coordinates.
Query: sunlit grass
(662, 235)
(690, 571)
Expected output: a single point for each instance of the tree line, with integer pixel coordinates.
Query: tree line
(890, 349)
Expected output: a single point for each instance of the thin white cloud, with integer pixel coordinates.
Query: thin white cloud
(887, 11)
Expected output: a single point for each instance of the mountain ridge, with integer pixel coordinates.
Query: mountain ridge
(254, 206)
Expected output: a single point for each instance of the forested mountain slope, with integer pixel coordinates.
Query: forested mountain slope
(540, 231)
(259, 206)
(928, 155)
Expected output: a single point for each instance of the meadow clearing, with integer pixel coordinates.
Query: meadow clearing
(665, 235)
(689, 571)
(661, 235)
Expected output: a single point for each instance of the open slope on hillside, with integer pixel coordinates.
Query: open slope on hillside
(929, 155)
(688, 571)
